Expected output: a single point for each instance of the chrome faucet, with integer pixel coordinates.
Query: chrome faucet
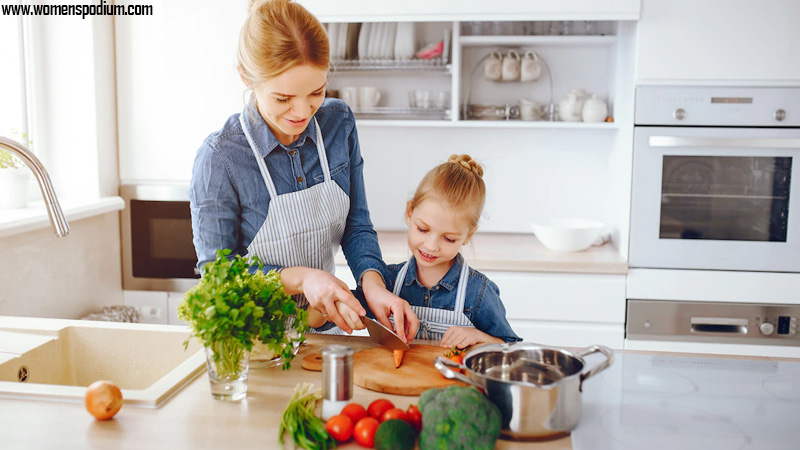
(57, 218)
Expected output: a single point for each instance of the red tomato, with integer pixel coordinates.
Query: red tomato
(365, 432)
(354, 411)
(394, 413)
(378, 407)
(414, 417)
(340, 427)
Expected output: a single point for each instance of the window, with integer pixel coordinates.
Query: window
(13, 121)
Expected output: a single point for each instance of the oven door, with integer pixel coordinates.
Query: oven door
(157, 249)
(715, 198)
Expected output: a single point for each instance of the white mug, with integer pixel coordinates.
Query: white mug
(511, 66)
(368, 96)
(531, 67)
(530, 110)
(350, 96)
(493, 67)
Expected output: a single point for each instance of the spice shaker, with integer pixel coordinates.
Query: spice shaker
(337, 379)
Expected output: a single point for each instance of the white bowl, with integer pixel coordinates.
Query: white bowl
(568, 235)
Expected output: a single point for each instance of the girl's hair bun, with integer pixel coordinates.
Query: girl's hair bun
(467, 163)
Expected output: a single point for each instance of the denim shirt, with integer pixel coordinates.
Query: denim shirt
(482, 304)
(229, 200)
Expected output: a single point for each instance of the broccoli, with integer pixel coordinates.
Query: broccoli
(458, 418)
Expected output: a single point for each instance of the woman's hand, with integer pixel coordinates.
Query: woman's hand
(323, 291)
(465, 336)
(383, 304)
(352, 318)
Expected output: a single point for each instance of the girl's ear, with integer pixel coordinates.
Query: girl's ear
(244, 80)
(469, 236)
(409, 210)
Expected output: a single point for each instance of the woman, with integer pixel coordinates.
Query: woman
(283, 180)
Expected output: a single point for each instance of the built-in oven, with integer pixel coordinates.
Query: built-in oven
(157, 249)
(712, 179)
(714, 244)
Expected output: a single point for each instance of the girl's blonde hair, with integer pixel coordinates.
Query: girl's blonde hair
(278, 35)
(458, 183)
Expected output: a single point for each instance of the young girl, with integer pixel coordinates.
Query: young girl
(455, 304)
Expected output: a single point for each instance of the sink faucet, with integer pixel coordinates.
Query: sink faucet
(57, 218)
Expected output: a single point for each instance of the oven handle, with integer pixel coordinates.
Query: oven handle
(676, 141)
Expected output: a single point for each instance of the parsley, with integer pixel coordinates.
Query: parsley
(231, 307)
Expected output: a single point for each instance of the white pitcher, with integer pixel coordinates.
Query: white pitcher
(571, 107)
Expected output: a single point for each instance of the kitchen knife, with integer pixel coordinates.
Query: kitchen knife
(383, 336)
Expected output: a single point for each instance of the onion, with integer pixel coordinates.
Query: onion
(103, 399)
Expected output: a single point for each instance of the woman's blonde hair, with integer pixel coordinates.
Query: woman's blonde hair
(278, 35)
(458, 183)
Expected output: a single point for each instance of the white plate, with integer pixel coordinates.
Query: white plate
(374, 40)
(333, 38)
(363, 40)
(388, 45)
(343, 40)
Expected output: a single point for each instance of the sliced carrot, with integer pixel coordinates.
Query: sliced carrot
(398, 357)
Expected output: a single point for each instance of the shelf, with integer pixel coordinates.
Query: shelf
(479, 41)
(389, 65)
(387, 112)
(542, 125)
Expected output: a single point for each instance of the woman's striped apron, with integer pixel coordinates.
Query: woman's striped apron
(302, 228)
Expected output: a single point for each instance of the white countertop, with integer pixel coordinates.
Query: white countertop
(513, 252)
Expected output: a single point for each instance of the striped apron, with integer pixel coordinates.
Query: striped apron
(433, 322)
(302, 228)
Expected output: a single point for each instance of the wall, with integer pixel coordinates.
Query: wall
(68, 278)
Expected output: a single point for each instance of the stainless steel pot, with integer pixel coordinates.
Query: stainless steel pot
(537, 388)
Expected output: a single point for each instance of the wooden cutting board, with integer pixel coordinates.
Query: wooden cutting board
(374, 369)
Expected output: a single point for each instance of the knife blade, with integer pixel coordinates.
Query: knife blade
(383, 336)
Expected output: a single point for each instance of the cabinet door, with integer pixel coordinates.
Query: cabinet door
(718, 40)
(562, 296)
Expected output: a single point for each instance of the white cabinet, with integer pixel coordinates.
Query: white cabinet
(569, 54)
(719, 41)
(573, 310)
(426, 10)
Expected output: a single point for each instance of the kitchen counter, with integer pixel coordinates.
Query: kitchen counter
(192, 419)
(513, 252)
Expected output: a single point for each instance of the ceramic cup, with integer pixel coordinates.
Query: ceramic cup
(530, 110)
(511, 66)
(530, 67)
(493, 67)
(368, 96)
(350, 95)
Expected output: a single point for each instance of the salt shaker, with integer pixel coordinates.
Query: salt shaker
(337, 379)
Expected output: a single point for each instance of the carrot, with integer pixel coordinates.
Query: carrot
(398, 357)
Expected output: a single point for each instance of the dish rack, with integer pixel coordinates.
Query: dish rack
(391, 112)
(408, 65)
(468, 110)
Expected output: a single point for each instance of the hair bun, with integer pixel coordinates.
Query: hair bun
(467, 163)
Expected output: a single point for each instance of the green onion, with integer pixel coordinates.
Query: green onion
(307, 430)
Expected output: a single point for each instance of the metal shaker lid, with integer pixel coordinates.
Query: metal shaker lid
(338, 352)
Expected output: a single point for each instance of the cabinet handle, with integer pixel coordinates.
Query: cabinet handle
(675, 141)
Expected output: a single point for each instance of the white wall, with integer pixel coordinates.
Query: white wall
(67, 278)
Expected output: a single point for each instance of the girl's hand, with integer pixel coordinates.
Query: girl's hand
(323, 291)
(465, 336)
(384, 304)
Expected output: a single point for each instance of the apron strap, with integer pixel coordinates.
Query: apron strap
(323, 157)
(262, 166)
(401, 278)
(461, 290)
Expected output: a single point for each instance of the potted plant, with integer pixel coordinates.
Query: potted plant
(14, 179)
(234, 305)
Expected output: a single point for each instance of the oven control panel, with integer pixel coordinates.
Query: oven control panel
(740, 323)
(717, 106)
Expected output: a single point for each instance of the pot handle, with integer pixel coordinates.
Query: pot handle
(607, 352)
(446, 367)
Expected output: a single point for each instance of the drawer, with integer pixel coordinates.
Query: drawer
(562, 296)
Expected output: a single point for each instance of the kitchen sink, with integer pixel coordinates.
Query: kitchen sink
(56, 359)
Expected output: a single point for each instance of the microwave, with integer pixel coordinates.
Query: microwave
(157, 249)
